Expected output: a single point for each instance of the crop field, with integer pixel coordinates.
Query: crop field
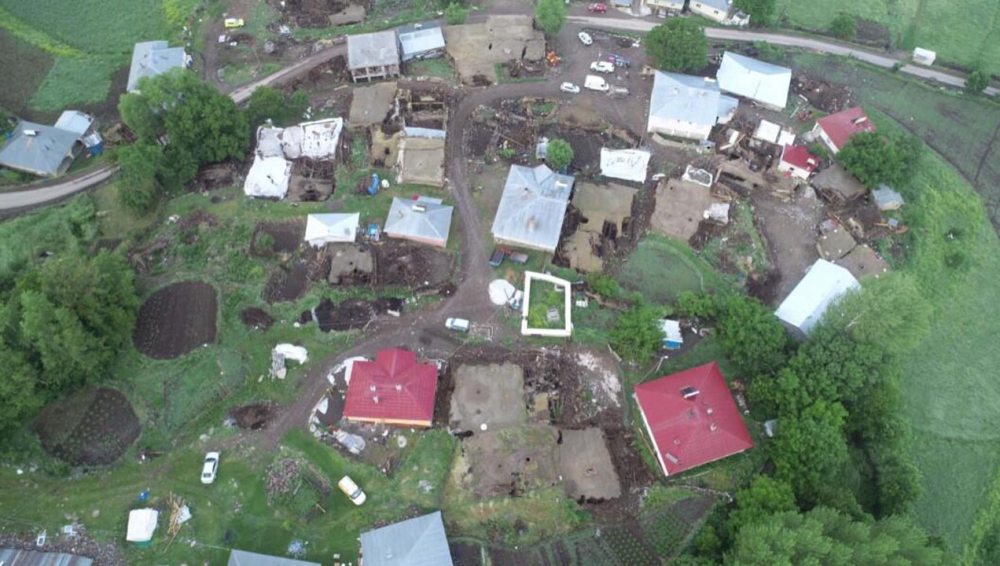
(23, 67)
(963, 37)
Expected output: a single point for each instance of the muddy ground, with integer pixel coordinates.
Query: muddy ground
(350, 314)
(89, 428)
(399, 263)
(285, 237)
(254, 416)
(256, 319)
(176, 319)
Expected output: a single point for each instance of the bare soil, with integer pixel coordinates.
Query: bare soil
(256, 319)
(822, 95)
(287, 282)
(89, 428)
(315, 13)
(404, 264)
(176, 319)
(350, 314)
(286, 237)
(254, 416)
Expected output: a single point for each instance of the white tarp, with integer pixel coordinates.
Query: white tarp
(292, 352)
(501, 292)
(319, 138)
(326, 228)
(141, 524)
(767, 131)
(823, 284)
(717, 212)
(671, 331)
(627, 164)
(268, 177)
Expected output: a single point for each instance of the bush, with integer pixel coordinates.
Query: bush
(559, 154)
(637, 334)
(977, 81)
(843, 26)
(604, 285)
(455, 14)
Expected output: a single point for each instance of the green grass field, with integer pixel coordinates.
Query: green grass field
(964, 34)
(661, 269)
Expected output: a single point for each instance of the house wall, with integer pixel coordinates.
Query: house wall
(377, 72)
(678, 129)
(427, 241)
(521, 244)
(395, 422)
(675, 5)
(817, 130)
(792, 170)
(708, 11)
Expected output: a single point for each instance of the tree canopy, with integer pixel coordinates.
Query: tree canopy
(678, 44)
(761, 11)
(875, 159)
(550, 15)
(977, 81)
(455, 14)
(559, 154)
(266, 103)
(140, 164)
(889, 312)
(809, 448)
(636, 334)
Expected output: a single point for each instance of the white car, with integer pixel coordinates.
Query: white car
(602, 66)
(585, 38)
(570, 88)
(457, 324)
(210, 468)
(351, 490)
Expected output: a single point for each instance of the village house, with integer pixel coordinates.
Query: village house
(373, 55)
(662, 7)
(796, 161)
(152, 58)
(823, 284)
(683, 106)
(393, 389)
(421, 219)
(420, 541)
(532, 208)
(322, 229)
(836, 129)
(715, 10)
(763, 83)
(421, 41)
(48, 151)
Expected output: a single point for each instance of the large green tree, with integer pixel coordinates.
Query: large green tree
(889, 312)
(809, 449)
(875, 159)
(825, 537)
(679, 44)
(761, 11)
(266, 103)
(559, 154)
(194, 121)
(636, 334)
(550, 15)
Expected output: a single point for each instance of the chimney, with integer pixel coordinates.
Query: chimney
(671, 457)
(375, 399)
(859, 120)
(371, 387)
(31, 133)
(419, 208)
(399, 387)
(713, 427)
(689, 392)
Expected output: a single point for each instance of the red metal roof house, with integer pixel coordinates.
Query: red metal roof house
(836, 129)
(393, 389)
(797, 161)
(691, 418)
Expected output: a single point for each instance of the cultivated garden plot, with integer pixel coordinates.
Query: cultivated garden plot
(90, 428)
(176, 319)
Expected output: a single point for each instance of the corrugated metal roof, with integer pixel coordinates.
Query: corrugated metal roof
(753, 79)
(37, 148)
(685, 98)
(822, 285)
(416, 40)
(533, 207)
(392, 387)
(406, 219)
(244, 558)
(372, 49)
(420, 541)
(153, 58)
(12, 557)
(75, 122)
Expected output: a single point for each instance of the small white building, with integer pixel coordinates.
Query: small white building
(761, 82)
(673, 339)
(796, 161)
(141, 524)
(322, 229)
(715, 10)
(823, 284)
(924, 56)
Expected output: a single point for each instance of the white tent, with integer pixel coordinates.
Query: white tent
(761, 82)
(141, 524)
(322, 229)
(823, 284)
(268, 177)
(501, 291)
(627, 164)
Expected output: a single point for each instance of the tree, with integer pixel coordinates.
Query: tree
(678, 44)
(760, 11)
(809, 449)
(875, 159)
(824, 536)
(559, 154)
(198, 124)
(17, 389)
(977, 81)
(843, 26)
(266, 103)
(636, 334)
(889, 312)
(140, 163)
(550, 15)
(455, 14)
(764, 497)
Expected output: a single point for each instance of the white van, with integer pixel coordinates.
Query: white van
(596, 83)
(457, 324)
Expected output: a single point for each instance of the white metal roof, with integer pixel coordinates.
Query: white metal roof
(753, 79)
(671, 330)
(424, 218)
(268, 177)
(823, 284)
(152, 58)
(75, 122)
(532, 207)
(420, 541)
(324, 228)
(627, 164)
(685, 98)
(420, 38)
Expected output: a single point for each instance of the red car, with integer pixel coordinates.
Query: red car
(598, 8)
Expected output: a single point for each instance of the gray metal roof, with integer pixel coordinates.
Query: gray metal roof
(887, 198)
(686, 98)
(74, 121)
(753, 79)
(533, 206)
(41, 152)
(244, 558)
(420, 541)
(372, 49)
(12, 557)
(420, 38)
(720, 5)
(153, 58)
(431, 223)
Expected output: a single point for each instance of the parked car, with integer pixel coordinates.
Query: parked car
(570, 88)
(351, 490)
(497, 258)
(618, 92)
(519, 257)
(232, 23)
(602, 67)
(457, 324)
(210, 468)
(596, 83)
(598, 8)
(585, 38)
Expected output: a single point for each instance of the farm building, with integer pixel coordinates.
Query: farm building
(421, 41)
(717, 10)
(322, 229)
(626, 164)
(923, 56)
(420, 157)
(48, 151)
(16, 557)
(532, 208)
(152, 58)
(663, 6)
(763, 83)
(422, 219)
(244, 558)
(672, 337)
(836, 129)
(683, 106)
(373, 55)
(823, 284)
(393, 389)
(691, 418)
(886, 198)
(420, 541)
(796, 161)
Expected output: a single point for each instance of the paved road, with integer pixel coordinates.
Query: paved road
(789, 41)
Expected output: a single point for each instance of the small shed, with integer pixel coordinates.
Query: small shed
(373, 55)
(886, 198)
(823, 284)
(796, 161)
(322, 229)
(422, 40)
(141, 524)
(672, 337)
(923, 56)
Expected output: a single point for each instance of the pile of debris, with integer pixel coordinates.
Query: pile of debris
(281, 477)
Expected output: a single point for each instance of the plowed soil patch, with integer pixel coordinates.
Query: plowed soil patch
(89, 428)
(176, 319)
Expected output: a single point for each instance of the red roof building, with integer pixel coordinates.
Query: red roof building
(797, 161)
(392, 389)
(691, 418)
(836, 129)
